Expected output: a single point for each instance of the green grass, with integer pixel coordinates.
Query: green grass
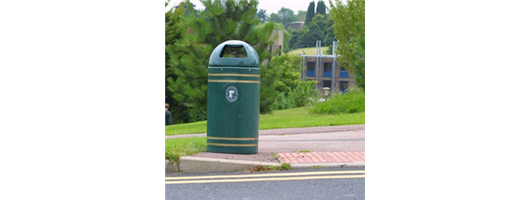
(304, 151)
(289, 118)
(300, 117)
(286, 166)
(177, 147)
(275, 155)
(308, 51)
(195, 127)
(351, 102)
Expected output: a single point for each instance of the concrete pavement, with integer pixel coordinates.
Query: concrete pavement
(300, 147)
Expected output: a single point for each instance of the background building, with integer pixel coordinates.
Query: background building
(296, 25)
(327, 72)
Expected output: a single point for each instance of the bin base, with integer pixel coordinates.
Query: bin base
(234, 150)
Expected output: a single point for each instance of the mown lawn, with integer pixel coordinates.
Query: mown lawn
(289, 118)
(308, 51)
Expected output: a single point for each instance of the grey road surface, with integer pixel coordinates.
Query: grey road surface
(343, 188)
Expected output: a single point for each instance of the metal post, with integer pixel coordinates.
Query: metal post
(333, 69)
(316, 65)
(303, 68)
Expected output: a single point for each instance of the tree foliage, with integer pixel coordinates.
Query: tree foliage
(275, 18)
(287, 15)
(299, 14)
(310, 13)
(312, 34)
(284, 16)
(304, 38)
(286, 89)
(191, 38)
(296, 37)
(321, 8)
(349, 29)
(173, 18)
(188, 56)
(262, 15)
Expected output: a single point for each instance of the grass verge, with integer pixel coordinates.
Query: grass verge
(289, 118)
(177, 147)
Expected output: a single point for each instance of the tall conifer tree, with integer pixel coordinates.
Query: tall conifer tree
(321, 8)
(310, 13)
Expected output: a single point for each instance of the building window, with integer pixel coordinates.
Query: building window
(327, 69)
(343, 86)
(343, 73)
(327, 84)
(311, 69)
(327, 88)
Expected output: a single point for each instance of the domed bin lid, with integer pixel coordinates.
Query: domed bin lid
(218, 56)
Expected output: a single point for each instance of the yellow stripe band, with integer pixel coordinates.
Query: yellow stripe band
(265, 175)
(228, 138)
(243, 75)
(233, 145)
(232, 81)
(267, 179)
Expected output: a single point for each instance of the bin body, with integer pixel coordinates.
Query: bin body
(233, 101)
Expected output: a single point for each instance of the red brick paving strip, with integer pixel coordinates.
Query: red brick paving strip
(357, 155)
(321, 157)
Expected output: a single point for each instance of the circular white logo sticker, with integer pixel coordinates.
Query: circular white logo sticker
(231, 94)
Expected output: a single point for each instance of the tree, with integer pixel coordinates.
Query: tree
(173, 19)
(321, 8)
(321, 21)
(299, 15)
(295, 35)
(287, 88)
(261, 14)
(287, 15)
(275, 18)
(188, 9)
(349, 29)
(219, 22)
(312, 34)
(330, 37)
(310, 13)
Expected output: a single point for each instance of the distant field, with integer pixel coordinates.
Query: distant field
(308, 51)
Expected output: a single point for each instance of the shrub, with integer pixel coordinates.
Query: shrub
(350, 102)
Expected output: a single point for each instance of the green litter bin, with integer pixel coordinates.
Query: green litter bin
(233, 99)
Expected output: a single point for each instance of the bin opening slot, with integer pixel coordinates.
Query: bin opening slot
(233, 51)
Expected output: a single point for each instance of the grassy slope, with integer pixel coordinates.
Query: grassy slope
(307, 51)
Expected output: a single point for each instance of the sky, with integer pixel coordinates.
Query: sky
(269, 5)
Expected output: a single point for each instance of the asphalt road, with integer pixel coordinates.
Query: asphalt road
(325, 183)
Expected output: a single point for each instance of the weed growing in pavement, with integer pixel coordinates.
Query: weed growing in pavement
(265, 168)
(304, 151)
(286, 166)
(275, 155)
(316, 167)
